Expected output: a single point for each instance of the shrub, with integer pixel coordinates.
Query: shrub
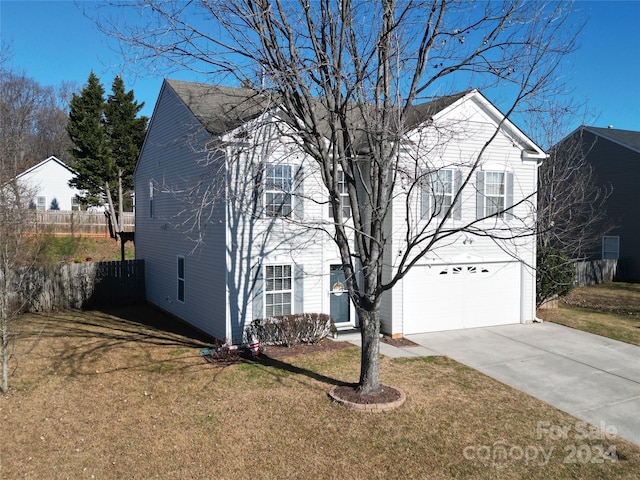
(554, 276)
(290, 329)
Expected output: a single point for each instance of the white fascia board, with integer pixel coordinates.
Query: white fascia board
(50, 159)
(517, 136)
(525, 142)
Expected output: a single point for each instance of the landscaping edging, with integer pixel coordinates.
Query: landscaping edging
(370, 407)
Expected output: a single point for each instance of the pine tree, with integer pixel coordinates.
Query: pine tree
(125, 134)
(107, 138)
(86, 129)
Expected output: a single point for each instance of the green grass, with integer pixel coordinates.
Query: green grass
(405, 360)
(179, 351)
(53, 249)
(611, 310)
(161, 367)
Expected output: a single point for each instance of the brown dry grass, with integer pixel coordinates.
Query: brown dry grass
(126, 395)
(610, 309)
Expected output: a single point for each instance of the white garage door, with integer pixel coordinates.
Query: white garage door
(449, 297)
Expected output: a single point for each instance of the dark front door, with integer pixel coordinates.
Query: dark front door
(339, 304)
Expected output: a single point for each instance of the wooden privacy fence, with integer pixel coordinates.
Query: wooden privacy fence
(79, 285)
(593, 272)
(76, 223)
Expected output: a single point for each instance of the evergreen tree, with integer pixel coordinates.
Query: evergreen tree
(86, 129)
(125, 133)
(107, 138)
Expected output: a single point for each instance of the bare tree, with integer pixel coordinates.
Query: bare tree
(571, 217)
(22, 105)
(571, 207)
(348, 75)
(32, 122)
(18, 252)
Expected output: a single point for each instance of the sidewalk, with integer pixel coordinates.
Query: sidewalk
(386, 349)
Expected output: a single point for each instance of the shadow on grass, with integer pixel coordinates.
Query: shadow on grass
(139, 322)
(81, 343)
(160, 322)
(75, 340)
(267, 361)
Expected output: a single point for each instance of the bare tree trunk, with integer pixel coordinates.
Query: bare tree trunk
(4, 317)
(370, 352)
(4, 340)
(120, 206)
(113, 219)
(120, 228)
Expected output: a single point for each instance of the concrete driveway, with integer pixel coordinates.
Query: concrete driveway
(591, 377)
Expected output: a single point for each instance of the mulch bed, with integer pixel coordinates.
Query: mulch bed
(349, 393)
(226, 357)
(277, 352)
(399, 342)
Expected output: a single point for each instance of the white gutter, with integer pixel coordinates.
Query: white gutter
(534, 155)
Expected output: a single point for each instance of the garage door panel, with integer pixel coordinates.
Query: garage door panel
(451, 297)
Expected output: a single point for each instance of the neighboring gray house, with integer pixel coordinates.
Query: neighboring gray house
(222, 191)
(614, 156)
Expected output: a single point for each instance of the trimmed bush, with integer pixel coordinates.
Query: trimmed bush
(554, 276)
(290, 329)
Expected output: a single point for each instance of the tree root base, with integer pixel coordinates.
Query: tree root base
(388, 399)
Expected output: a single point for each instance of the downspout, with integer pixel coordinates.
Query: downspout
(539, 157)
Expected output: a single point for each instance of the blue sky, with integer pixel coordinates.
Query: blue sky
(51, 42)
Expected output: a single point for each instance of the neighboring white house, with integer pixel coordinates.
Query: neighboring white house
(218, 172)
(49, 180)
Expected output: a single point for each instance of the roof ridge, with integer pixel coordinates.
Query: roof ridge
(626, 138)
(222, 108)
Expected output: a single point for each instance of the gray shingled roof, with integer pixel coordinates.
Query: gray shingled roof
(221, 109)
(626, 138)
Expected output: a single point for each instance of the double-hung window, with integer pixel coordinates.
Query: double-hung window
(343, 194)
(278, 290)
(438, 193)
(41, 202)
(610, 248)
(278, 183)
(494, 193)
(442, 185)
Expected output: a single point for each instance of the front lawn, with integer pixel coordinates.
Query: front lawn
(611, 310)
(127, 396)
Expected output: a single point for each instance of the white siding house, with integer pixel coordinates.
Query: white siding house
(472, 280)
(49, 180)
(224, 199)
